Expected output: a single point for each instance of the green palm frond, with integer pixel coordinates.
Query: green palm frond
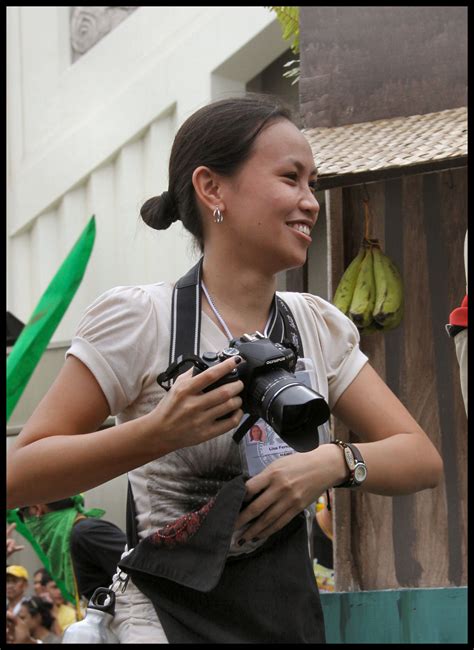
(289, 18)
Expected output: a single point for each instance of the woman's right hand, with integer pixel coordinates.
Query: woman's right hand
(187, 416)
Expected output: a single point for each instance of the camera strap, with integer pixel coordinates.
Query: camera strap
(186, 319)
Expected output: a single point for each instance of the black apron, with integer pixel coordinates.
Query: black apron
(202, 596)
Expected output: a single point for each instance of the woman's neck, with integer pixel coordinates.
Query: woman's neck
(243, 296)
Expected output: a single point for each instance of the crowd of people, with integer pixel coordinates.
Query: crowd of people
(76, 543)
(42, 617)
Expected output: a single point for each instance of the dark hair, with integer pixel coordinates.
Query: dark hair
(41, 571)
(62, 504)
(36, 605)
(219, 136)
(45, 578)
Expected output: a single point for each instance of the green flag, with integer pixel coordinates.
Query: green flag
(37, 333)
(14, 517)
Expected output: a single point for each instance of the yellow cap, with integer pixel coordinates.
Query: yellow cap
(17, 571)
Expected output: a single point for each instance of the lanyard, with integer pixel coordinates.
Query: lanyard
(186, 319)
(268, 326)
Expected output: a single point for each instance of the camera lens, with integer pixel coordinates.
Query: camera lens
(291, 408)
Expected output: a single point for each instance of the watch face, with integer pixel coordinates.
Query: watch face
(360, 473)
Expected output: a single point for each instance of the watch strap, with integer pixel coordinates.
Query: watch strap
(352, 457)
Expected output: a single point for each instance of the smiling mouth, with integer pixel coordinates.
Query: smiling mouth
(300, 227)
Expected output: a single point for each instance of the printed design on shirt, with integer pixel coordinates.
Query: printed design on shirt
(181, 530)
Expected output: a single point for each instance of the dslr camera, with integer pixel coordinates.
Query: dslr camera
(271, 390)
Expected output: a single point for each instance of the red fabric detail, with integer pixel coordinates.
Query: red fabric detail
(182, 529)
(459, 315)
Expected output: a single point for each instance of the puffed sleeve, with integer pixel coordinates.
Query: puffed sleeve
(115, 339)
(339, 341)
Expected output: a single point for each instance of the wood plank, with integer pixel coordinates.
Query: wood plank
(371, 512)
(452, 192)
(420, 396)
(340, 500)
(377, 175)
(335, 241)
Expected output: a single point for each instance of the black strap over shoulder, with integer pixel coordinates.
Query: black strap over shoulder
(186, 314)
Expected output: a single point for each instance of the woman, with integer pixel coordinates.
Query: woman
(242, 181)
(37, 615)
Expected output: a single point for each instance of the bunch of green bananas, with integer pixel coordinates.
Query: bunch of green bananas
(370, 292)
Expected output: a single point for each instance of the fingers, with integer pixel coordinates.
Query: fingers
(224, 408)
(10, 528)
(265, 516)
(186, 385)
(211, 375)
(275, 521)
(218, 427)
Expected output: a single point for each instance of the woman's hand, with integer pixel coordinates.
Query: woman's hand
(187, 416)
(288, 486)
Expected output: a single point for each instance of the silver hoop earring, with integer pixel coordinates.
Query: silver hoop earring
(218, 216)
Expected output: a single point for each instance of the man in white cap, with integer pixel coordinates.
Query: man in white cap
(17, 584)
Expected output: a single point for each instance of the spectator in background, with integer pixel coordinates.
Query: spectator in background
(37, 614)
(17, 585)
(38, 585)
(63, 612)
(94, 546)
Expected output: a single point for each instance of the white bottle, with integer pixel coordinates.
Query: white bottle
(95, 627)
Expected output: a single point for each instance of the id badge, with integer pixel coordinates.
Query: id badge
(261, 445)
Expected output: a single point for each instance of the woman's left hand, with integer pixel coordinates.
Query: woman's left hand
(288, 486)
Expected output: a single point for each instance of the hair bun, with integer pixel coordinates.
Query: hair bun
(159, 212)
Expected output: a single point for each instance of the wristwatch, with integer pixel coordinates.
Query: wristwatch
(355, 463)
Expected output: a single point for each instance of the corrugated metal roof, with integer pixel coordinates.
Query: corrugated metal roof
(358, 149)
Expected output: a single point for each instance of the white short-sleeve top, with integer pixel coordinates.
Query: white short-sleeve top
(123, 338)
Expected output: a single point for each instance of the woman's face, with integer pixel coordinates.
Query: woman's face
(37, 586)
(270, 205)
(30, 621)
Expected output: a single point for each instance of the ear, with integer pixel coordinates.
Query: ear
(208, 187)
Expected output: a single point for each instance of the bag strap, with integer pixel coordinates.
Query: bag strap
(131, 519)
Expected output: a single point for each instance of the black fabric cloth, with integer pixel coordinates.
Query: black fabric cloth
(203, 596)
(96, 547)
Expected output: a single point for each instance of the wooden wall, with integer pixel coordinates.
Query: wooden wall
(417, 540)
(360, 64)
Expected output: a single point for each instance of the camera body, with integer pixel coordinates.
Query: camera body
(271, 389)
(259, 354)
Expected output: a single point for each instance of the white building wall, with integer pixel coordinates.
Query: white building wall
(94, 137)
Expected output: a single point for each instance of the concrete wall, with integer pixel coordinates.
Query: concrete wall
(94, 136)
